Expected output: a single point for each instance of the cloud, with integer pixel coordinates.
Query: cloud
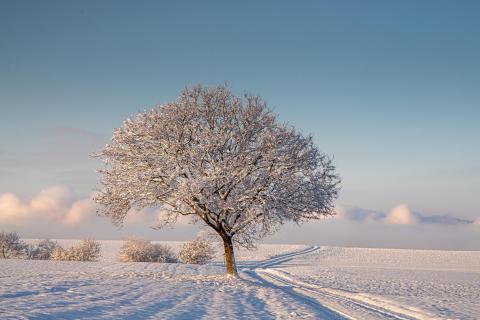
(51, 201)
(58, 212)
(400, 215)
(360, 214)
(58, 207)
(11, 207)
(444, 219)
(54, 204)
(80, 211)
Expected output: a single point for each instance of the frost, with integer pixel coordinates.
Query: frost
(198, 251)
(86, 250)
(11, 246)
(224, 160)
(141, 250)
(41, 251)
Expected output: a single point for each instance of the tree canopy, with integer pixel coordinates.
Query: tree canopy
(224, 160)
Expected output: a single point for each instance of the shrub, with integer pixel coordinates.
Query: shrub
(141, 250)
(86, 250)
(11, 246)
(62, 254)
(163, 253)
(41, 251)
(198, 251)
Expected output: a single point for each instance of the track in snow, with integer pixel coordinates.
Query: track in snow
(328, 303)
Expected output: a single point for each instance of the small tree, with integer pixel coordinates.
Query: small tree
(41, 251)
(11, 246)
(141, 250)
(86, 250)
(162, 253)
(198, 251)
(224, 160)
(62, 254)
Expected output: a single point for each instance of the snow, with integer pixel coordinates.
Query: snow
(277, 282)
(419, 284)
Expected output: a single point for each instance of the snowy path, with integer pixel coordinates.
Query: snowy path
(331, 304)
(277, 282)
(352, 304)
(335, 304)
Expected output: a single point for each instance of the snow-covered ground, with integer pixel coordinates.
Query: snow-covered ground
(277, 282)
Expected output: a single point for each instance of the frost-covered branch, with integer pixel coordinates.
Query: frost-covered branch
(223, 158)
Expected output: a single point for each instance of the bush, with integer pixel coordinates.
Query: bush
(41, 251)
(198, 251)
(86, 250)
(62, 254)
(141, 250)
(11, 246)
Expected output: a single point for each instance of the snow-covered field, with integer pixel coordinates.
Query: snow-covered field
(277, 282)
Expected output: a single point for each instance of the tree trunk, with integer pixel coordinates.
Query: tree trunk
(229, 256)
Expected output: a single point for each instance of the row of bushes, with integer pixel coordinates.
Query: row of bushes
(198, 251)
(11, 246)
(141, 250)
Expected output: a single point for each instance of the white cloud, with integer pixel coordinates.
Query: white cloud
(54, 204)
(400, 214)
(51, 203)
(357, 214)
(57, 212)
(58, 207)
(80, 211)
(11, 207)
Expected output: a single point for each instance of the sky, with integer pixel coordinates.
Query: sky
(391, 90)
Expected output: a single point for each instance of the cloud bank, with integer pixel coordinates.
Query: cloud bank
(58, 207)
(54, 204)
(399, 215)
(57, 212)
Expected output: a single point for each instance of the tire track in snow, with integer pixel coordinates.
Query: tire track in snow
(283, 258)
(326, 297)
(320, 311)
(323, 299)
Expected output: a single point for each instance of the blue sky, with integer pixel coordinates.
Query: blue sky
(390, 89)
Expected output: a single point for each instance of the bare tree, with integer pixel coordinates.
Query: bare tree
(141, 250)
(11, 246)
(42, 250)
(224, 160)
(198, 251)
(85, 250)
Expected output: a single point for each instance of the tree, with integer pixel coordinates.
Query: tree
(11, 246)
(141, 250)
(85, 250)
(42, 250)
(225, 161)
(198, 251)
